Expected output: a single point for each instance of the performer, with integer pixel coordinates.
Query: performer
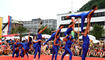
(70, 28)
(87, 15)
(15, 49)
(39, 37)
(57, 42)
(36, 47)
(55, 34)
(26, 46)
(67, 47)
(86, 40)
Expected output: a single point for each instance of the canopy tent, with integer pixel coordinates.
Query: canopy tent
(26, 37)
(93, 38)
(13, 37)
(10, 35)
(46, 35)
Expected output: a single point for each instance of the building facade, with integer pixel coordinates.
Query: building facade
(33, 25)
(97, 18)
(14, 25)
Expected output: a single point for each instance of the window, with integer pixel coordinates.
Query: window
(64, 18)
(85, 24)
(98, 14)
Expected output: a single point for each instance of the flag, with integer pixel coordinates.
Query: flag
(9, 24)
(1, 27)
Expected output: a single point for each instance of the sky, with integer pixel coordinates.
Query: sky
(26, 10)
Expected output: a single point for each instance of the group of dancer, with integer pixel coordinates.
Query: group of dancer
(56, 38)
(21, 46)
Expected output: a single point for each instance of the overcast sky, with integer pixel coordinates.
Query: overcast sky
(46, 9)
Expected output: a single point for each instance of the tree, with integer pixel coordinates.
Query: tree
(47, 31)
(20, 30)
(88, 5)
(13, 31)
(97, 31)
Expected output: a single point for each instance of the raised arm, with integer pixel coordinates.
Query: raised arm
(74, 26)
(89, 15)
(28, 36)
(53, 31)
(40, 24)
(57, 32)
(42, 30)
(74, 22)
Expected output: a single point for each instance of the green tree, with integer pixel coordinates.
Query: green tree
(97, 31)
(47, 31)
(19, 30)
(14, 31)
(88, 5)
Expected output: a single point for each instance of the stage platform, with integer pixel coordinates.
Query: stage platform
(47, 57)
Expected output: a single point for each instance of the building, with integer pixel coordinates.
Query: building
(14, 25)
(98, 18)
(33, 25)
(52, 23)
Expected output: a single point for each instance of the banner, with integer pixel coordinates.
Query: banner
(9, 24)
(1, 27)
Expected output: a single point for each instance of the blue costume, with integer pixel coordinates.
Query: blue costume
(39, 37)
(67, 48)
(55, 49)
(37, 46)
(82, 16)
(26, 46)
(85, 46)
(37, 49)
(68, 31)
(15, 50)
(52, 36)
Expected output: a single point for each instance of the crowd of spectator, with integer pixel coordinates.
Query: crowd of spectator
(95, 49)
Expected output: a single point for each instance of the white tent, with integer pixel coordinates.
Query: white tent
(13, 37)
(93, 38)
(26, 37)
(46, 35)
